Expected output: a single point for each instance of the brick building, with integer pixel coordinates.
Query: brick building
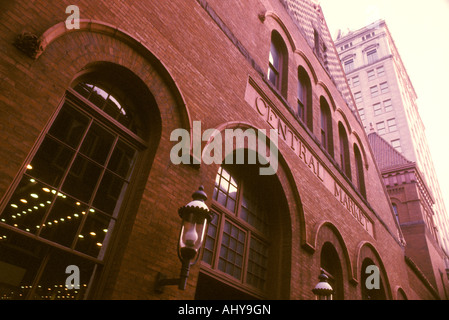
(413, 203)
(90, 117)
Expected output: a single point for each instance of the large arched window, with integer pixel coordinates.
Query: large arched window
(64, 208)
(359, 171)
(345, 161)
(278, 63)
(304, 99)
(326, 127)
(240, 246)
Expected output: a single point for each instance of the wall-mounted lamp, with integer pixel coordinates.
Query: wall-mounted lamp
(323, 290)
(195, 216)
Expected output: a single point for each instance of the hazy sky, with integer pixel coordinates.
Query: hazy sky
(420, 30)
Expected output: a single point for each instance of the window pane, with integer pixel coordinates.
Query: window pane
(82, 179)
(52, 285)
(233, 191)
(274, 57)
(97, 143)
(273, 76)
(301, 111)
(225, 191)
(20, 259)
(93, 235)
(110, 193)
(26, 208)
(224, 185)
(231, 252)
(372, 56)
(122, 159)
(377, 109)
(63, 221)
(50, 162)
(98, 97)
(257, 264)
(252, 211)
(210, 239)
(69, 126)
(349, 65)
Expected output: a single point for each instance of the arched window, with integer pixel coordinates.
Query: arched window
(304, 98)
(65, 206)
(242, 238)
(345, 161)
(278, 63)
(330, 263)
(326, 127)
(396, 212)
(359, 171)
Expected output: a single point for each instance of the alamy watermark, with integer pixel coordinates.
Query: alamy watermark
(73, 20)
(373, 280)
(73, 280)
(233, 146)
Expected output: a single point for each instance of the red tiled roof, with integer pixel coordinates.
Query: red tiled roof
(385, 154)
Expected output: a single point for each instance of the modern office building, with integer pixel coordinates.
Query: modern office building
(387, 104)
(105, 137)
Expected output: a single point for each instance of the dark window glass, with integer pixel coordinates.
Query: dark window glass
(76, 181)
(242, 251)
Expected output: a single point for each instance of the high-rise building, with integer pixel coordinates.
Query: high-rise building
(387, 103)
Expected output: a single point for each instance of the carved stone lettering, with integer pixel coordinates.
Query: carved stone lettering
(271, 115)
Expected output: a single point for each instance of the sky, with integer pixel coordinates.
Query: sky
(420, 30)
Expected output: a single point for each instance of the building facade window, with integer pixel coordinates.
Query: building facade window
(358, 97)
(380, 71)
(65, 207)
(396, 212)
(349, 65)
(326, 127)
(377, 109)
(238, 240)
(380, 127)
(277, 63)
(391, 125)
(304, 99)
(374, 90)
(372, 56)
(362, 113)
(355, 81)
(360, 178)
(371, 74)
(396, 144)
(388, 105)
(345, 161)
(384, 87)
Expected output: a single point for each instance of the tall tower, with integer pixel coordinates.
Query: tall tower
(386, 102)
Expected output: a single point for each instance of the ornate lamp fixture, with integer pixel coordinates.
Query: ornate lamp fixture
(195, 216)
(323, 290)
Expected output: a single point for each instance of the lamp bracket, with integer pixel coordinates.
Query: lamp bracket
(162, 281)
